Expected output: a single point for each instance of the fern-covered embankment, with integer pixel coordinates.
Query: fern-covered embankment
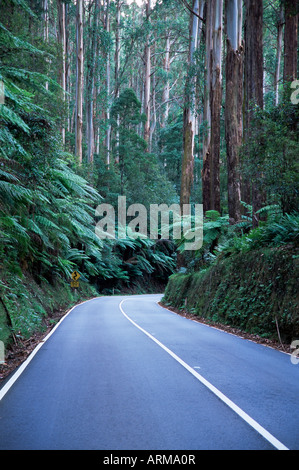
(28, 307)
(256, 292)
(29, 310)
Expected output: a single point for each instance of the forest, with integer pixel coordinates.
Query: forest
(164, 102)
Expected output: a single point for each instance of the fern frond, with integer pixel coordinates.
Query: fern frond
(65, 266)
(9, 144)
(9, 176)
(10, 40)
(10, 192)
(47, 223)
(12, 118)
(23, 4)
(33, 227)
(12, 226)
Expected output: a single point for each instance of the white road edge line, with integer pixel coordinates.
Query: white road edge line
(254, 424)
(23, 366)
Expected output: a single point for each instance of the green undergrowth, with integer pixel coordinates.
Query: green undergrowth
(256, 292)
(25, 305)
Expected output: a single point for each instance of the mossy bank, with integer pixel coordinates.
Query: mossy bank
(27, 307)
(256, 292)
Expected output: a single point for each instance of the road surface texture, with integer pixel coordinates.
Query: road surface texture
(124, 373)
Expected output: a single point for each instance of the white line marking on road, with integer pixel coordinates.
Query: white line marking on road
(254, 424)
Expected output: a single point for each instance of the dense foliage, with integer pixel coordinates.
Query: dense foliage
(48, 196)
(46, 207)
(271, 154)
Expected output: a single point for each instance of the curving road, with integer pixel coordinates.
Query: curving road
(125, 373)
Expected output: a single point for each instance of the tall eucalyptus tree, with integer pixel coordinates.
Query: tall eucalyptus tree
(254, 81)
(233, 104)
(79, 81)
(189, 109)
(213, 97)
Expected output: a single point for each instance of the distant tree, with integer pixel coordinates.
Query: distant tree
(79, 81)
(61, 16)
(147, 76)
(142, 179)
(126, 115)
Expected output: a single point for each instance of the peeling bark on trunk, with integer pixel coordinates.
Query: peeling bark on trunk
(253, 56)
(188, 160)
(253, 83)
(216, 96)
(233, 105)
(290, 40)
(189, 113)
(233, 128)
(206, 189)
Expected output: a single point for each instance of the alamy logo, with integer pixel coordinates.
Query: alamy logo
(2, 352)
(295, 94)
(2, 92)
(164, 222)
(295, 352)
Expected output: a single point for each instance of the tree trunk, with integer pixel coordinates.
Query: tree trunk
(189, 112)
(62, 42)
(278, 54)
(165, 94)
(206, 187)
(216, 96)
(116, 73)
(147, 78)
(90, 86)
(79, 81)
(117, 50)
(153, 121)
(69, 46)
(253, 57)
(46, 28)
(233, 104)
(253, 81)
(212, 107)
(290, 40)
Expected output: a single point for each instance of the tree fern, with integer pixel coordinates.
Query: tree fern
(33, 227)
(9, 145)
(9, 40)
(11, 193)
(17, 232)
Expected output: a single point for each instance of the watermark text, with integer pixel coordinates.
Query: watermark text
(162, 221)
(2, 92)
(295, 94)
(2, 353)
(295, 352)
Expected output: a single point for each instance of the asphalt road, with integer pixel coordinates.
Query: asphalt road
(125, 373)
